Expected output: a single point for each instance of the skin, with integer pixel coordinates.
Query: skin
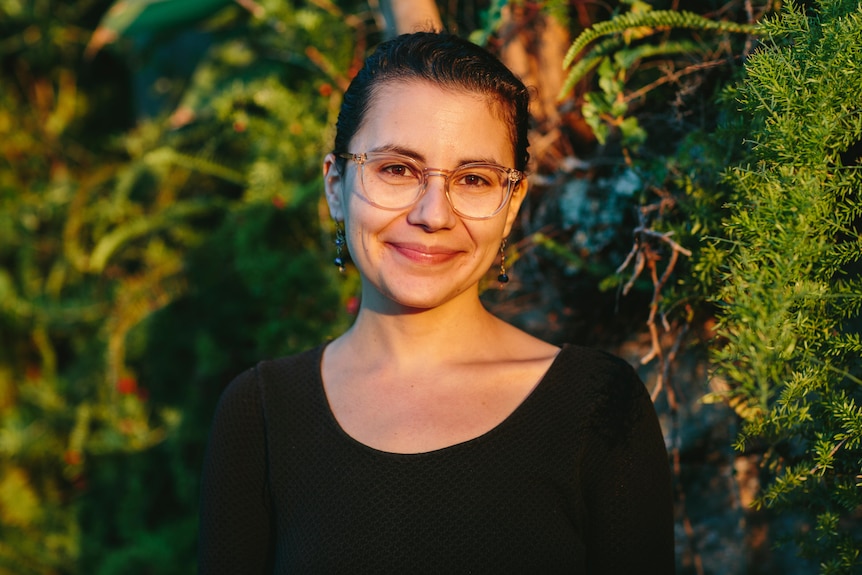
(425, 366)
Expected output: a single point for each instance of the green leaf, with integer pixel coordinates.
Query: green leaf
(19, 504)
(130, 17)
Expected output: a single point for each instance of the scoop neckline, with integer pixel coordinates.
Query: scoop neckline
(484, 437)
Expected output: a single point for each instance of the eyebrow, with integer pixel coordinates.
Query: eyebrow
(396, 149)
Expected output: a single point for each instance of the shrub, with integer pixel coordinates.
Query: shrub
(144, 261)
(790, 293)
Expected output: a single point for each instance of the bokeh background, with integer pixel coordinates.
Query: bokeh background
(694, 208)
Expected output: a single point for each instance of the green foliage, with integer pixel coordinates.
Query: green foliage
(126, 18)
(140, 269)
(608, 108)
(650, 22)
(653, 94)
(779, 250)
(791, 292)
(620, 45)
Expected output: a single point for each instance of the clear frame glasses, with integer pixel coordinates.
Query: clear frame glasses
(476, 191)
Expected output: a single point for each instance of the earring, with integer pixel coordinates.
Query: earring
(340, 241)
(503, 277)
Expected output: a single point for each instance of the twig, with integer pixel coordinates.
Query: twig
(832, 453)
(665, 237)
(645, 256)
(673, 77)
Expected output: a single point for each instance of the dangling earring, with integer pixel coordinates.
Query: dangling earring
(340, 241)
(503, 277)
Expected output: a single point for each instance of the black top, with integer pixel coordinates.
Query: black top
(575, 480)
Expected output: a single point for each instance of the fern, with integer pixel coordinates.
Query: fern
(652, 21)
(586, 64)
(639, 24)
(622, 39)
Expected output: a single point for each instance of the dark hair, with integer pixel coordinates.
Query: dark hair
(445, 60)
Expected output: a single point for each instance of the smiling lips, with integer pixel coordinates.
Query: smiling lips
(424, 254)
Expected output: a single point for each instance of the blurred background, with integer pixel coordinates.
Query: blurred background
(162, 229)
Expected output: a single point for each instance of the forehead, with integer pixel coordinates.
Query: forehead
(432, 119)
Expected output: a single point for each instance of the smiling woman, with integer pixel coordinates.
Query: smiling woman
(432, 436)
(403, 252)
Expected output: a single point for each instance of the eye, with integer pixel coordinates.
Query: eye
(396, 170)
(393, 171)
(476, 179)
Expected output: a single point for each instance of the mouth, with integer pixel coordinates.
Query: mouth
(424, 254)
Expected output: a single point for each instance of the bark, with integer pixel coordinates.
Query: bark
(533, 45)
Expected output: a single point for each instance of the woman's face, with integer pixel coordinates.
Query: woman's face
(425, 255)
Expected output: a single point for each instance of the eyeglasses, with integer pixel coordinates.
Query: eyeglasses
(476, 191)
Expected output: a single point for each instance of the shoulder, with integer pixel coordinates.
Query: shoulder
(249, 388)
(241, 393)
(594, 367)
(299, 366)
(609, 394)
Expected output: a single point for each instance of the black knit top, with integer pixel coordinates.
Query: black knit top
(575, 480)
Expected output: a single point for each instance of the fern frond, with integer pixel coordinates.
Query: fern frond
(586, 64)
(657, 20)
(625, 58)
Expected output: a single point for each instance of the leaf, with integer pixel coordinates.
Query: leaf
(19, 504)
(111, 242)
(129, 17)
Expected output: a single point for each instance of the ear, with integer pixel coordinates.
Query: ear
(333, 188)
(518, 195)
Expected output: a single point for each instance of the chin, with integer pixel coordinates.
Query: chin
(414, 300)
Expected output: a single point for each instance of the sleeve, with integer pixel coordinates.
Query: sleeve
(235, 517)
(629, 494)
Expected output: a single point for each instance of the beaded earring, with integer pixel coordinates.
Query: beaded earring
(340, 241)
(503, 277)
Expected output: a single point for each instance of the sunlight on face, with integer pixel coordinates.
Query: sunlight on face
(424, 255)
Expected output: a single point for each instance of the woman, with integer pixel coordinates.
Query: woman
(432, 437)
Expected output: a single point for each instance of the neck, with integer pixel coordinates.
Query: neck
(458, 329)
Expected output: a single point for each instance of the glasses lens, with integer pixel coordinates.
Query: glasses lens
(478, 191)
(391, 181)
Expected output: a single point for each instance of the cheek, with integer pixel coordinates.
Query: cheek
(354, 235)
(488, 240)
(361, 223)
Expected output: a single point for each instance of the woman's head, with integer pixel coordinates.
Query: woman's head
(448, 62)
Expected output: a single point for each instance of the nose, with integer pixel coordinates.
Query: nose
(433, 210)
